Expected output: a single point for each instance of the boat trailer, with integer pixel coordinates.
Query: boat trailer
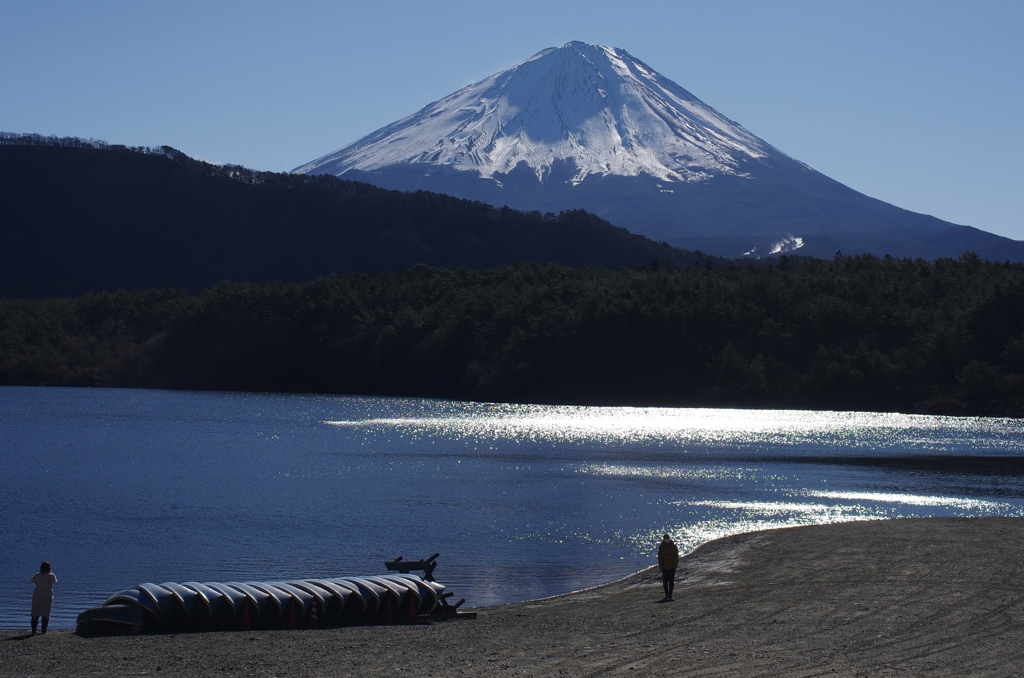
(427, 565)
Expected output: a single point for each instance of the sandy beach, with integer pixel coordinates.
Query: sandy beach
(885, 598)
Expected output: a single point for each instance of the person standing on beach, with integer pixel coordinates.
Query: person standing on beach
(42, 597)
(668, 560)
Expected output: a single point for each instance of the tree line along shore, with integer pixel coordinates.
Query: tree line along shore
(851, 333)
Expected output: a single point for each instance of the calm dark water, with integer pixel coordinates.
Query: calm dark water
(118, 487)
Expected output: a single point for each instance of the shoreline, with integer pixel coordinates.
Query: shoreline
(895, 597)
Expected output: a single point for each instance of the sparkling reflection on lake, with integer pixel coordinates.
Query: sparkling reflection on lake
(118, 487)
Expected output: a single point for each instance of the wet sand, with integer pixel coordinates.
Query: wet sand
(887, 598)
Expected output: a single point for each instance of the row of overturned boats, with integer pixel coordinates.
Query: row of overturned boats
(308, 603)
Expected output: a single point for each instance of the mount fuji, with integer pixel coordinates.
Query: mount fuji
(592, 127)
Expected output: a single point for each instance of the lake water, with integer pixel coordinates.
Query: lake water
(119, 487)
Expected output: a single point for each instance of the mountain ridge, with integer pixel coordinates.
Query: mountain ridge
(84, 216)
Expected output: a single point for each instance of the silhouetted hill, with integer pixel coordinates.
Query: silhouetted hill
(81, 216)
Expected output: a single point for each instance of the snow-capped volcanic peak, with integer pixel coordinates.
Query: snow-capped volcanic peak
(597, 107)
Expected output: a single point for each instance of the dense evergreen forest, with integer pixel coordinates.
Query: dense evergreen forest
(79, 216)
(853, 333)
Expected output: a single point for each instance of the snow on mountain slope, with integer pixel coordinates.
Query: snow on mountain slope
(591, 127)
(598, 107)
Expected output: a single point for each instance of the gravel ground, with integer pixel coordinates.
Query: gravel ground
(888, 598)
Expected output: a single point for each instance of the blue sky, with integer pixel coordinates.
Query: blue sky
(915, 102)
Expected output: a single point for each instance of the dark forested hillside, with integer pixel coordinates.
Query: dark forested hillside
(856, 333)
(78, 217)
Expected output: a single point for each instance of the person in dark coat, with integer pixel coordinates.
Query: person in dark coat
(42, 597)
(668, 560)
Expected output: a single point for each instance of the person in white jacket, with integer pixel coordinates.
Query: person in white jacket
(42, 597)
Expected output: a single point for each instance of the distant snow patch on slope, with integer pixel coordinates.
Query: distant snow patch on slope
(790, 243)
